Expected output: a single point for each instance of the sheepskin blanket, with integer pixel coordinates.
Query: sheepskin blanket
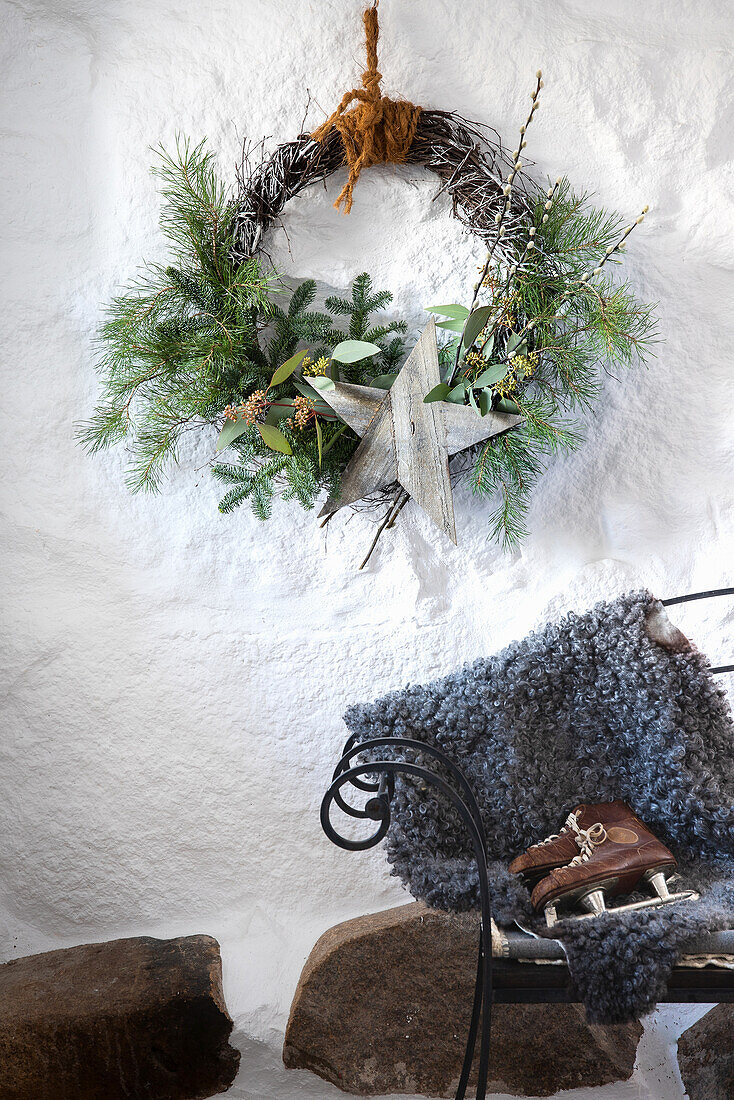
(614, 703)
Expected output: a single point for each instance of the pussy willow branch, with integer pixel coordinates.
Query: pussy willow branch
(500, 216)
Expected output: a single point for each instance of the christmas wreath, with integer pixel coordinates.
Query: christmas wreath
(211, 339)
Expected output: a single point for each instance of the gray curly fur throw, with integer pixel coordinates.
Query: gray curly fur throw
(614, 703)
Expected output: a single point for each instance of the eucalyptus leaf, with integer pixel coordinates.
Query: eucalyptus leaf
(351, 351)
(472, 399)
(231, 430)
(456, 325)
(517, 345)
(318, 439)
(286, 370)
(321, 382)
(273, 438)
(438, 393)
(493, 374)
(485, 402)
(322, 408)
(457, 312)
(383, 381)
(506, 405)
(457, 394)
(488, 346)
(306, 390)
(281, 410)
(475, 324)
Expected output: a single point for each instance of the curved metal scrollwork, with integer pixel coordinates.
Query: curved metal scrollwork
(377, 778)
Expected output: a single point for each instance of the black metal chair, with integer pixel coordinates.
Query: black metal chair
(497, 981)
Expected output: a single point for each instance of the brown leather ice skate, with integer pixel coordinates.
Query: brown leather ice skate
(616, 860)
(560, 848)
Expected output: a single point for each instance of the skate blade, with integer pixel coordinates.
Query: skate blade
(595, 900)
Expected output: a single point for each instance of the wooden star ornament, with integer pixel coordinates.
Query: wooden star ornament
(406, 440)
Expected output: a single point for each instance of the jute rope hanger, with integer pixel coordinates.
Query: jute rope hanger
(378, 130)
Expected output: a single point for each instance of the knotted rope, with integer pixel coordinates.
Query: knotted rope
(378, 130)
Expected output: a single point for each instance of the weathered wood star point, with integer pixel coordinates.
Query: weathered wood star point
(406, 440)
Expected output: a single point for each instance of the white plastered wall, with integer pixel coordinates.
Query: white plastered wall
(173, 679)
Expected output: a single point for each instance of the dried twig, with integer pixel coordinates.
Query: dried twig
(469, 161)
(399, 509)
(504, 213)
(391, 515)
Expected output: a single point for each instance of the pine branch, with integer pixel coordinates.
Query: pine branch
(557, 321)
(182, 340)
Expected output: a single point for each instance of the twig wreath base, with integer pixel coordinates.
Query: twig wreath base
(467, 158)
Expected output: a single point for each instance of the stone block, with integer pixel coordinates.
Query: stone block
(706, 1056)
(129, 1018)
(384, 1002)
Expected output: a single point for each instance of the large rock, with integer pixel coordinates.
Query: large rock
(706, 1056)
(129, 1018)
(383, 1006)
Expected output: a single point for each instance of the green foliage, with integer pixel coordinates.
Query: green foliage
(199, 343)
(541, 343)
(311, 468)
(259, 471)
(359, 309)
(354, 351)
(298, 324)
(201, 334)
(183, 336)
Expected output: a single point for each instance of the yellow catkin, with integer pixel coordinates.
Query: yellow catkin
(313, 370)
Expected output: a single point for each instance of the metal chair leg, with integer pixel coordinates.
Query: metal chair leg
(378, 810)
(484, 1040)
(476, 1012)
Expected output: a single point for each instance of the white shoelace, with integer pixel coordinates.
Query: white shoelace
(592, 837)
(587, 839)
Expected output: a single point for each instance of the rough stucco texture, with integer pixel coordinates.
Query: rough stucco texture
(173, 679)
